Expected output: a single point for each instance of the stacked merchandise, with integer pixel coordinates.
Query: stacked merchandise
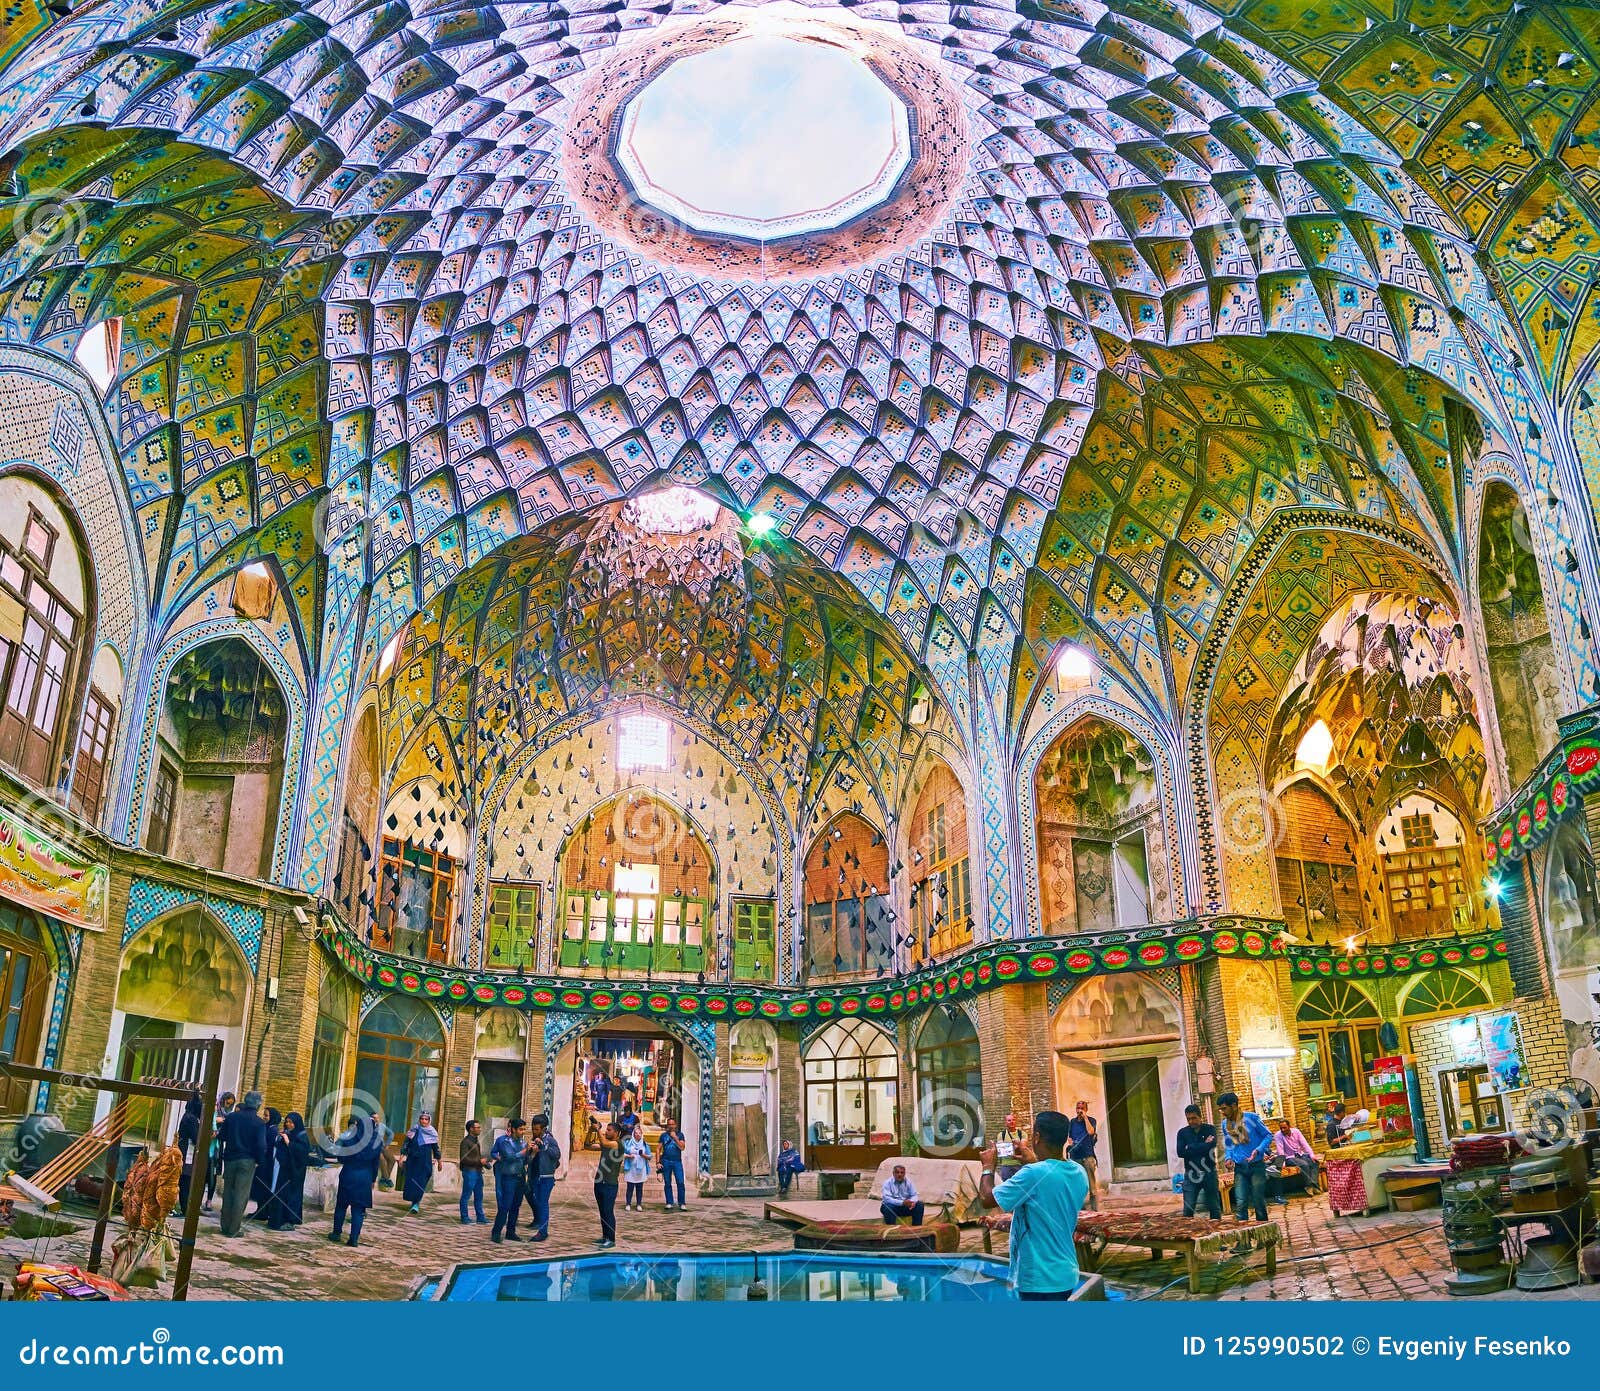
(37, 1281)
(1474, 1196)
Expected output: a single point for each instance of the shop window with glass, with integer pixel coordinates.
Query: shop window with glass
(1338, 1042)
(511, 943)
(754, 942)
(847, 923)
(37, 662)
(852, 1073)
(24, 977)
(399, 1057)
(637, 892)
(334, 1009)
(941, 893)
(416, 893)
(949, 1085)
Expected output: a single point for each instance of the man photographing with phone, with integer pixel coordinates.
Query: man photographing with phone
(1044, 1198)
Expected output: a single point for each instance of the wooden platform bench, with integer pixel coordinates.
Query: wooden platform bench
(1160, 1233)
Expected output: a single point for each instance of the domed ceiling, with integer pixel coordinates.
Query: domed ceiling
(374, 330)
(751, 639)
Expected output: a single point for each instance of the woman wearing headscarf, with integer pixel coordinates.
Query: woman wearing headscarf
(188, 1142)
(288, 1193)
(421, 1154)
(359, 1150)
(261, 1185)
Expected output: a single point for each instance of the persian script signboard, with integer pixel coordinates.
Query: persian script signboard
(45, 874)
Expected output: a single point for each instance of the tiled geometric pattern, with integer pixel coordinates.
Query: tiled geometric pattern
(149, 900)
(1209, 269)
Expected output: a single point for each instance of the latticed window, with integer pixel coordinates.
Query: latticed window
(94, 754)
(1444, 992)
(511, 942)
(1316, 866)
(416, 889)
(941, 883)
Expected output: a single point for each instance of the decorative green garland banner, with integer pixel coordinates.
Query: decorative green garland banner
(975, 970)
(1550, 796)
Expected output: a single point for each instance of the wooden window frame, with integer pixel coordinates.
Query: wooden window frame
(441, 868)
(526, 901)
(163, 807)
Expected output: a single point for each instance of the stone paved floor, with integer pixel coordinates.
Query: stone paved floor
(1386, 1256)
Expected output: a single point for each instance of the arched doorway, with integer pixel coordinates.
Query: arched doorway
(25, 977)
(1337, 1028)
(500, 1051)
(399, 1059)
(670, 1067)
(852, 1073)
(1118, 1044)
(949, 1071)
(638, 888)
(182, 977)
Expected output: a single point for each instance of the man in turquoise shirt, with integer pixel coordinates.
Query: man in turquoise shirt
(1044, 1198)
(1247, 1142)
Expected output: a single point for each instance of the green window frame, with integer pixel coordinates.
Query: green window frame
(605, 932)
(755, 952)
(512, 936)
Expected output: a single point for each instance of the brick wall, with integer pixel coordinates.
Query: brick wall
(1544, 1049)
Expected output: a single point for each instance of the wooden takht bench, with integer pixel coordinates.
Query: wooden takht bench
(1159, 1233)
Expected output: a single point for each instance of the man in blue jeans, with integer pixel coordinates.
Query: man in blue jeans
(539, 1164)
(505, 1157)
(472, 1174)
(671, 1161)
(1247, 1142)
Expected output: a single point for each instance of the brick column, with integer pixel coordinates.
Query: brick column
(791, 1088)
(455, 1083)
(533, 1073)
(1013, 1024)
(86, 1031)
(279, 1036)
(719, 1103)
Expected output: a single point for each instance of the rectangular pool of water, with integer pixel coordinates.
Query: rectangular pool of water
(788, 1276)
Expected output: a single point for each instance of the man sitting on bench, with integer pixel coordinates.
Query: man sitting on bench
(900, 1199)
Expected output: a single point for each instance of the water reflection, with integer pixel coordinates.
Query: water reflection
(790, 1277)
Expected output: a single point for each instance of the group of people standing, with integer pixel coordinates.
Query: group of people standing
(525, 1159)
(254, 1157)
(1254, 1152)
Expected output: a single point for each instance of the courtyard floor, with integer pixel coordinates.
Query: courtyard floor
(1385, 1256)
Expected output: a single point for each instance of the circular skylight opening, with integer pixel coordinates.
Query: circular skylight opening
(671, 511)
(768, 136)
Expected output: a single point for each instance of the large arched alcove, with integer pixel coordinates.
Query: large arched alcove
(1516, 633)
(1098, 809)
(183, 976)
(218, 761)
(848, 928)
(638, 890)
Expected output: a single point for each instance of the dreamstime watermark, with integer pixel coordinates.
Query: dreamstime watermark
(1250, 821)
(158, 1351)
(951, 1122)
(48, 219)
(1549, 1120)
